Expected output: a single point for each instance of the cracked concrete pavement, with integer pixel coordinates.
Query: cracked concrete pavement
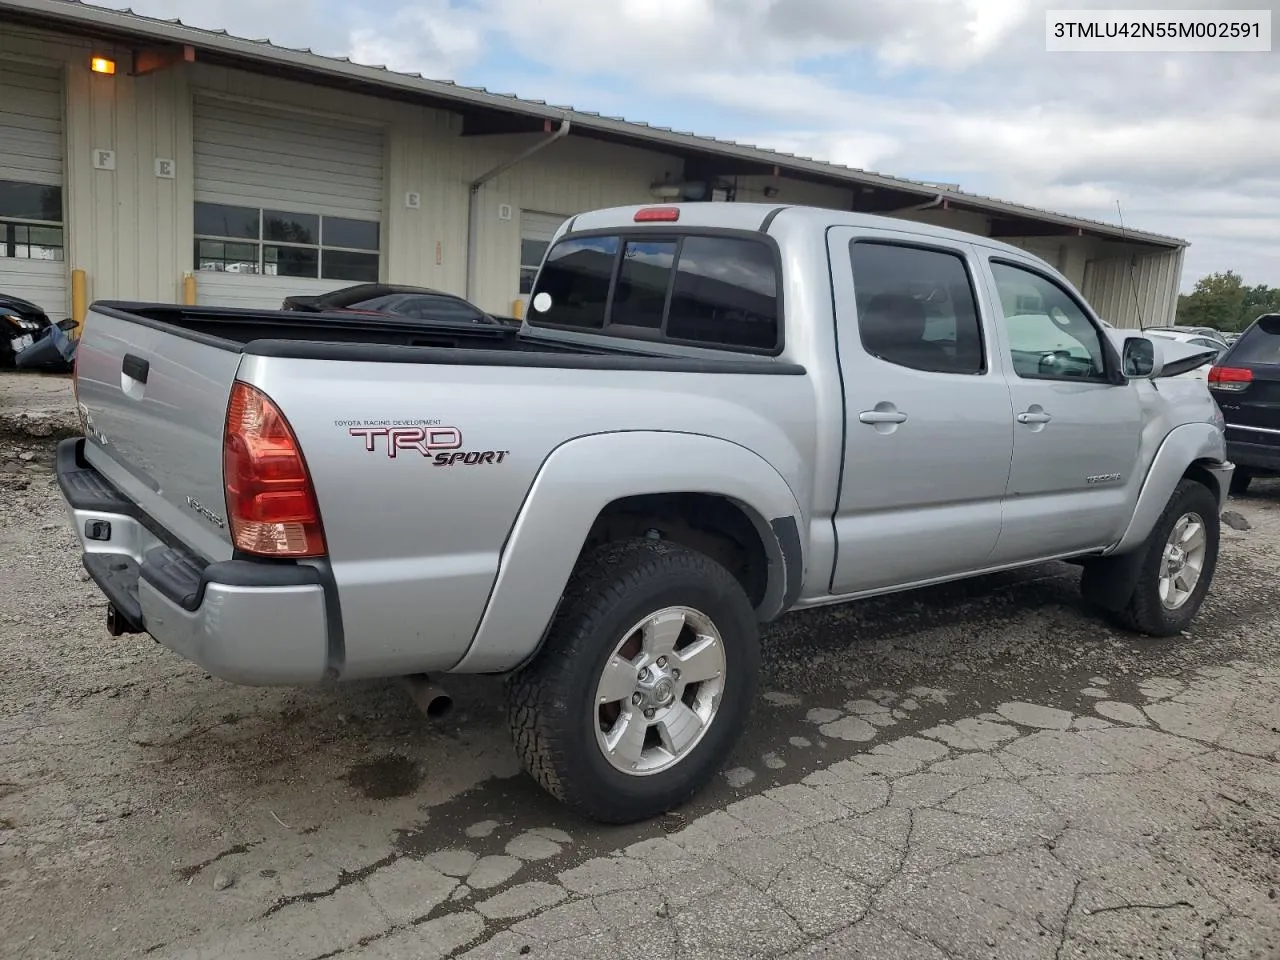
(1026, 831)
(974, 771)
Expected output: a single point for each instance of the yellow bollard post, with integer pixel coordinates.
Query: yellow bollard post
(189, 289)
(79, 298)
(517, 308)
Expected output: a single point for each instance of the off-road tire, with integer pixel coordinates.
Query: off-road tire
(1143, 612)
(551, 707)
(1240, 480)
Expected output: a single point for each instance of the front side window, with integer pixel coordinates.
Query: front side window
(281, 243)
(719, 292)
(916, 307)
(1050, 336)
(30, 221)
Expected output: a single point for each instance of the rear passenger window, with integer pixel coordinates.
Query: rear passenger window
(576, 277)
(643, 279)
(710, 291)
(916, 307)
(726, 292)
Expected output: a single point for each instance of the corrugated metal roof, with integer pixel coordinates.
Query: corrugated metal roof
(175, 31)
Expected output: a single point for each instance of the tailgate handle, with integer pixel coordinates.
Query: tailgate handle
(135, 367)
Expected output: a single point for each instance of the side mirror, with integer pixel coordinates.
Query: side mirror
(1142, 360)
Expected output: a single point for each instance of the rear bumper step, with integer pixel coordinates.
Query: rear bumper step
(247, 621)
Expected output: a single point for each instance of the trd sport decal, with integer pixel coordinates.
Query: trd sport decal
(442, 444)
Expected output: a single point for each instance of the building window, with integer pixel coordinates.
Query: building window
(278, 243)
(31, 221)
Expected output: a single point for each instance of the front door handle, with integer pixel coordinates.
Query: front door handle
(882, 416)
(1034, 416)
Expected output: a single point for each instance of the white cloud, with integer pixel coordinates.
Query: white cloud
(958, 90)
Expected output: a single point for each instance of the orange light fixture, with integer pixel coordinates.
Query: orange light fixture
(102, 65)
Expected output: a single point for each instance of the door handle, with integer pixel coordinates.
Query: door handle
(882, 416)
(134, 367)
(1038, 416)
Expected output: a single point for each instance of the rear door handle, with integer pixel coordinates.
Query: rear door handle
(1038, 417)
(135, 367)
(882, 416)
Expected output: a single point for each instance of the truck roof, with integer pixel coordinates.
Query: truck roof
(750, 216)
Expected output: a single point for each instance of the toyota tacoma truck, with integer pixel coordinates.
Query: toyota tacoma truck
(711, 415)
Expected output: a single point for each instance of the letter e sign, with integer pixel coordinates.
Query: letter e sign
(164, 168)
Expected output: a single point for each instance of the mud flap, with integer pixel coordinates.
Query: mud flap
(1109, 582)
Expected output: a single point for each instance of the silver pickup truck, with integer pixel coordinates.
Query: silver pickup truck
(712, 414)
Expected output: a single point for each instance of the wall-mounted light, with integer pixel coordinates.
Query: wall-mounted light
(102, 65)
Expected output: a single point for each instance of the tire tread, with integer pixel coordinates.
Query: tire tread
(536, 709)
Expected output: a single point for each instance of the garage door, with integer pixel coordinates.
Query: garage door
(536, 231)
(285, 203)
(32, 248)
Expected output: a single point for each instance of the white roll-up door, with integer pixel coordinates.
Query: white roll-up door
(285, 203)
(536, 231)
(32, 231)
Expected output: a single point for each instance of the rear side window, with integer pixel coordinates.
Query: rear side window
(713, 291)
(577, 277)
(726, 291)
(916, 307)
(1260, 343)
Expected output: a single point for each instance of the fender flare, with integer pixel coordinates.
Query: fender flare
(1184, 445)
(577, 481)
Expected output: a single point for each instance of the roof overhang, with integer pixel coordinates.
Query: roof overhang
(485, 113)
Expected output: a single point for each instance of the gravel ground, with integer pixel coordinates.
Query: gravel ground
(981, 770)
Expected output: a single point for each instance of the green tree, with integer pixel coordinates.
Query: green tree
(1217, 301)
(1222, 301)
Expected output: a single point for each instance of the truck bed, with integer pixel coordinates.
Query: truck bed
(422, 446)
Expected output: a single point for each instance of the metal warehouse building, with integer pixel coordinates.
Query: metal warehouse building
(144, 159)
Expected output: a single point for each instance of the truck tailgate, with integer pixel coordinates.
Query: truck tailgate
(154, 403)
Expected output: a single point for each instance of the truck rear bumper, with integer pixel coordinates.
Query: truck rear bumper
(244, 621)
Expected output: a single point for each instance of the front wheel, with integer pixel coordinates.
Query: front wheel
(643, 684)
(1175, 565)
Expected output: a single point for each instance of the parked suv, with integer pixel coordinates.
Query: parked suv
(1246, 383)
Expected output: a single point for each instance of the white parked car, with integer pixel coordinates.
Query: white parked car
(1210, 343)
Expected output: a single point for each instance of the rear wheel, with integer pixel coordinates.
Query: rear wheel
(642, 686)
(1240, 480)
(1174, 567)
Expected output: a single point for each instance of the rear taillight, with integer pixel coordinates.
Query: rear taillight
(1230, 379)
(271, 505)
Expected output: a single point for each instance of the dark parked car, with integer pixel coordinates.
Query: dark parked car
(396, 300)
(21, 324)
(1246, 383)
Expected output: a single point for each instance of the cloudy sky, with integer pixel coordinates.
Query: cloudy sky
(958, 91)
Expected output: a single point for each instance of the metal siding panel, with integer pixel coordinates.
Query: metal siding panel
(1126, 295)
